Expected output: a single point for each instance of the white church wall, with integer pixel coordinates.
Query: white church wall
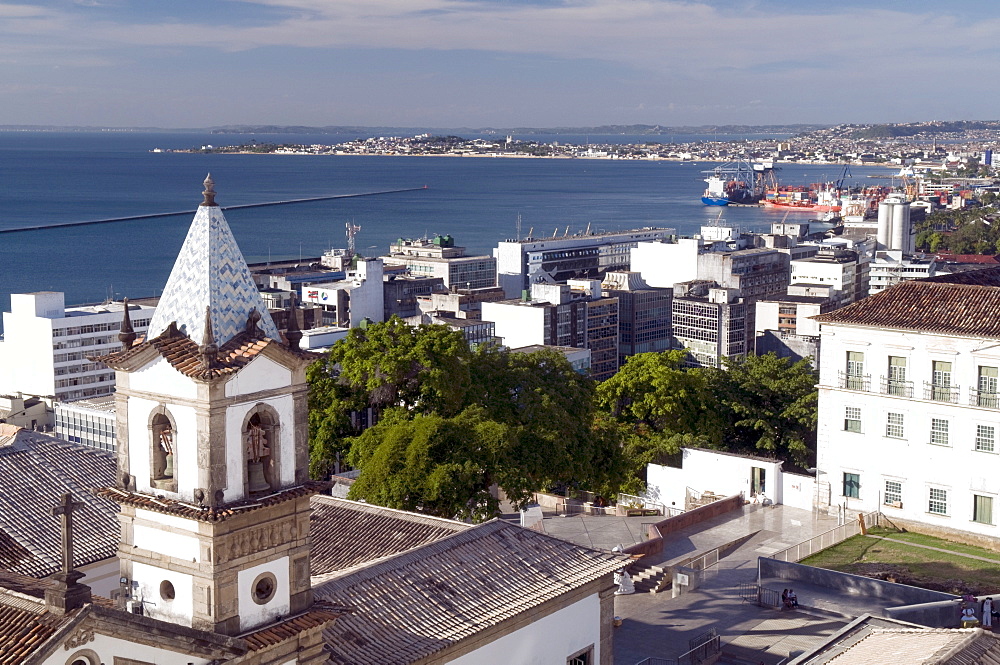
(551, 639)
(253, 614)
(185, 449)
(138, 440)
(180, 609)
(261, 374)
(106, 648)
(161, 378)
(165, 542)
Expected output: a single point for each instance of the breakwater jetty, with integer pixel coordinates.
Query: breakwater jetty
(158, 215)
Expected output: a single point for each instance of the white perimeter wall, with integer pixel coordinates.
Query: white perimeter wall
(548, 641)
(798, 491)
(707, 471)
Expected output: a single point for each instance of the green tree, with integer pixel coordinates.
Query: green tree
(423, 369)
(528, 421)
(774, 401)
(659, 406)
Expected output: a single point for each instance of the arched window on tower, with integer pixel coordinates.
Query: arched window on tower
(260, 438)
(162, 447)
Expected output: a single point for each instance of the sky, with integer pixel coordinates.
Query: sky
(496, 63)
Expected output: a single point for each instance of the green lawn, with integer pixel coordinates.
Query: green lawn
(902, 562)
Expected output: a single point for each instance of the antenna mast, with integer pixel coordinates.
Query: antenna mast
(352, 230)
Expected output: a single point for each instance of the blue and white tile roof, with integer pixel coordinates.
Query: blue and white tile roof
(210, 271)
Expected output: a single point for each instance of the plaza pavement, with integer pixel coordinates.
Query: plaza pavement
(656, 625)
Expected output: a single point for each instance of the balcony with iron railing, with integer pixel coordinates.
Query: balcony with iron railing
(941, 393)
(897, 388)
(984, 398)
(854, 381)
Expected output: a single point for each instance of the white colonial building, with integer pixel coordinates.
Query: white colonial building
(909, 407)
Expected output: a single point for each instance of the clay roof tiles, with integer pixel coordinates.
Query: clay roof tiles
(206, 513)
(25, 625)
(413, 605)
(35, 471)
(183, 354)
(349, 533)
(965, 304)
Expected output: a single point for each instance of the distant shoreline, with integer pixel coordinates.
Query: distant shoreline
(522, 156)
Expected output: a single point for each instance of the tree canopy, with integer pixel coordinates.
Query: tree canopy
(452, 422)
(434, 426)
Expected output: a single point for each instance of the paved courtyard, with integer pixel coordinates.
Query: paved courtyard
(660, 626)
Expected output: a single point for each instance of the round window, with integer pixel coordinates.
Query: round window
(166, 590)
(264, 587)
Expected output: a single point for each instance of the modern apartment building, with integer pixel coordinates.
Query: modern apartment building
(46, 345)
(90, 422)
(711, 322)
(893, 266)
(909, 404)
(643, 314)
(521, 263)
(439, 257)
(845, 270)
(754, 272)
(572, 315)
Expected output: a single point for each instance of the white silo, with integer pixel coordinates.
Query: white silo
(902, 237)
(884, 235)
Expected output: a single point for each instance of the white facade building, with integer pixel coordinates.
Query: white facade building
(521, 263)
(909, 405)
(90, 422)
(892, 267)
(46, 345)
(348, 302)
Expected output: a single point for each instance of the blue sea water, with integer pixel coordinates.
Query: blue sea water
(50, 177)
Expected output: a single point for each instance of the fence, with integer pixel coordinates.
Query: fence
(796, 553)
(702, 648)
(758, 595)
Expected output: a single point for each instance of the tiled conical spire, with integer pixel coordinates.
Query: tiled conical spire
(210, 274)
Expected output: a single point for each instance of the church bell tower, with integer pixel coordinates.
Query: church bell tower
(212, 447)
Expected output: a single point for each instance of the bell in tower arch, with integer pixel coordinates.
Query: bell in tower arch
(258, 483)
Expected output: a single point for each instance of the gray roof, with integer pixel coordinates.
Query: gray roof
(35, 471)
(349, 533)
(413, 605)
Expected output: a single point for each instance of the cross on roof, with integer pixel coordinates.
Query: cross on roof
(64, 511)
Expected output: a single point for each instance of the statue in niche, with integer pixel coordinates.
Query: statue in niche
(163, 449)
(258, 454)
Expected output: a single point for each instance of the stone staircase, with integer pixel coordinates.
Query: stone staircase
(649, 577)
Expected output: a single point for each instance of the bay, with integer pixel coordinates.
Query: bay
(51, 177)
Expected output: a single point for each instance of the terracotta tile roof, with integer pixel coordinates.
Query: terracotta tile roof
(24, 623)
(966, 304)
(349, 533)
(205, 513)
(969, 258)
(410, 606)
(35, 471)
(182, 353)
(320, 615)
